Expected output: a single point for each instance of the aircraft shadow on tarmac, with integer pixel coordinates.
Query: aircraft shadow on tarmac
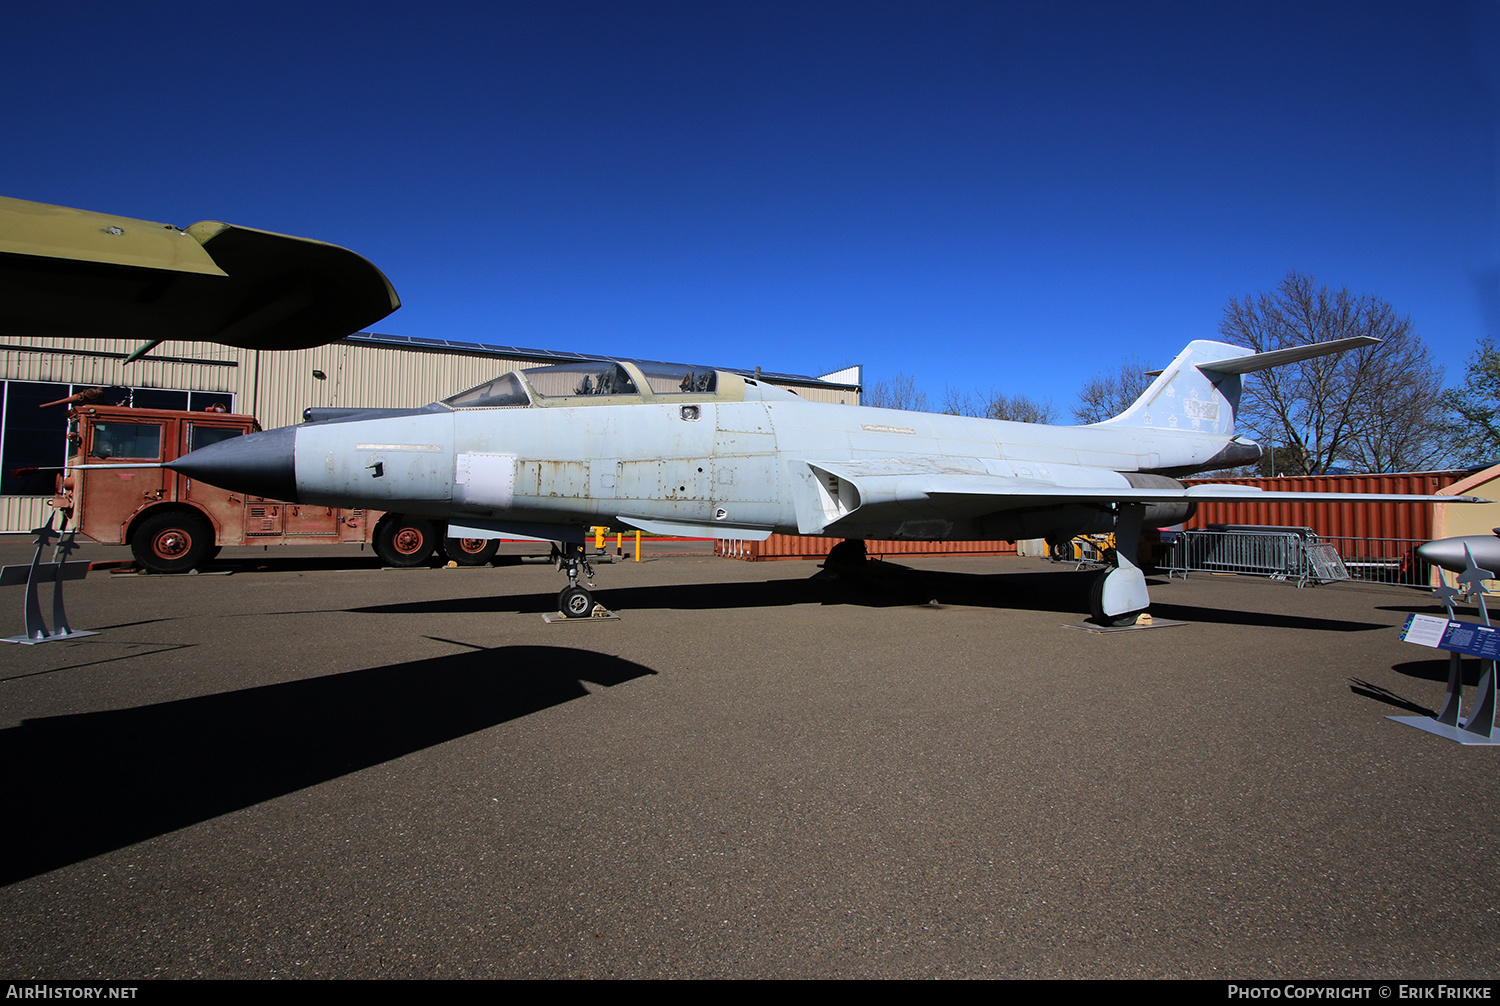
(86, 784)
(891, 585)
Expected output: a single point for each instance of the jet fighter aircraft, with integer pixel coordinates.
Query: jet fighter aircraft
(548, 451)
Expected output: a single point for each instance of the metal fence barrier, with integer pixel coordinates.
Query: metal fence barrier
(1383, 560)
(1296, 554)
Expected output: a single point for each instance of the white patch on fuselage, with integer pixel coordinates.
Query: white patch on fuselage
(488, 479)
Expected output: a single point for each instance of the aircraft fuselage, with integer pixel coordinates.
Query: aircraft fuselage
(715, 464)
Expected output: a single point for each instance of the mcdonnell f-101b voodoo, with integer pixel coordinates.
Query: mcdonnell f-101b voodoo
(548, 451)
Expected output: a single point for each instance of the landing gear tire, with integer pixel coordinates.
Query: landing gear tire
(405, 541)
(173, 542)
(471, 551)
(575, 602)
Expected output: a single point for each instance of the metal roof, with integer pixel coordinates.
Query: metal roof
(562, 356)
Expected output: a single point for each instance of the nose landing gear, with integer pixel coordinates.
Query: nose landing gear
(573, 600)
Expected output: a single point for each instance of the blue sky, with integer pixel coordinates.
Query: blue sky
(981, 194)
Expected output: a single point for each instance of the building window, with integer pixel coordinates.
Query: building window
(34, 440)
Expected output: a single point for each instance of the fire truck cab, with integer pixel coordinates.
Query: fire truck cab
(174, 524)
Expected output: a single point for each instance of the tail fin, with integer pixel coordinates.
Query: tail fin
(1199, 391)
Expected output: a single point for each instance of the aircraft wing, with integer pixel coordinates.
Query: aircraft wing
(831, 497)
(74, 273)
(1226, 493)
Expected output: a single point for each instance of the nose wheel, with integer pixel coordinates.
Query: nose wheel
(573, 600)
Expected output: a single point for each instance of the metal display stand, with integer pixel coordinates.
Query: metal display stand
(54, 572)
(1458, 638)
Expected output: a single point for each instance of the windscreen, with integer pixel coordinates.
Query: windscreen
(504, 392)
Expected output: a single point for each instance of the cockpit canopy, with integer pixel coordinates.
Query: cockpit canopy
(605, 382)
(503, 392)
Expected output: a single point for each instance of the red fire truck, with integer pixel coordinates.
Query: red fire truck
(173, 524)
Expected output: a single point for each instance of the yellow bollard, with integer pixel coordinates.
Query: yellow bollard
(637, 546)
(598, 539)
(619, 548)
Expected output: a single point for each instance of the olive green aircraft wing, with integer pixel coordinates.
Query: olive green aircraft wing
(76, 273)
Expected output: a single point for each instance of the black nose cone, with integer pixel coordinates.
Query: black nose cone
(256, 464)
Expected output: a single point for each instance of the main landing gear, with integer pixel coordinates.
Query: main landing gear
(573, 600)
(1119, 594)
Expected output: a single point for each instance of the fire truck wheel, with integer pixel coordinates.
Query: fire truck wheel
(404, 541)
(470, 551)
(173, 542)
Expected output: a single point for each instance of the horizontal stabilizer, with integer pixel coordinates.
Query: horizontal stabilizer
(1279, 357)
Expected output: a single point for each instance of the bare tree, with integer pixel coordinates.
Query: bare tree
(1376, 408)
(1405, 427)
(998, 405)
(1019, 409)
(900, 392)
(1106, 395)
(1476, 403)
(960, 403)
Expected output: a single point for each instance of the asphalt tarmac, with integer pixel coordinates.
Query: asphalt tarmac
(313, 767)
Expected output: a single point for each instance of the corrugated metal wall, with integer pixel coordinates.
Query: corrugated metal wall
(372, 375)
(364, 375)
(23, 513)
(276, 387)
(101, 362)
(1330, 519)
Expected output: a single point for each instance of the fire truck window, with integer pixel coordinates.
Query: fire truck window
(137, 441)
(202, 436)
